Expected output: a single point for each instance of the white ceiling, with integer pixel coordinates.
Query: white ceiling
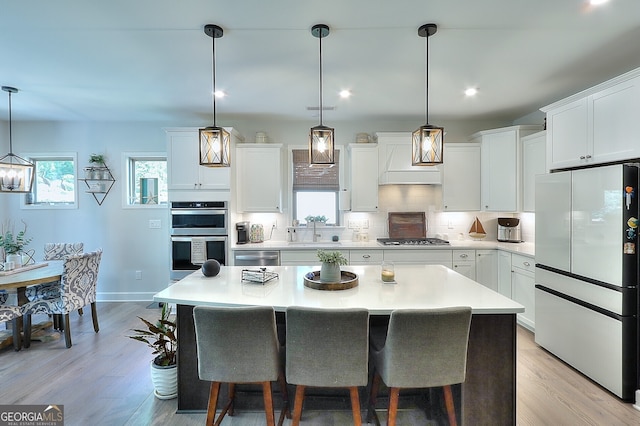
(149, 60)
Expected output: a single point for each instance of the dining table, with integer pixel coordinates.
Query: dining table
(37, 273)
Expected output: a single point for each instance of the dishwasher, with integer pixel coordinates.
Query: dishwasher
(256, 258)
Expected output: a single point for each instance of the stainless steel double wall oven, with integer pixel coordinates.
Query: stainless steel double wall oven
(204, 221)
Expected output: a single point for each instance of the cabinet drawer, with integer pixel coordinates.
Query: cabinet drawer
(523, 262)
(365, 257)
(464, 255)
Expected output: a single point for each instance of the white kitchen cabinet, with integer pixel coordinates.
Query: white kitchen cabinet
(394, 162)
(595, 126)
(365, 257)
(523, 288)
(504, 273)
(487, 268)
(306, 257)
(259, 177)
(500, 167)
(184, 171)
(533, 163)
(363, 173)
(464, 262)
(461, 177)
(419, 257)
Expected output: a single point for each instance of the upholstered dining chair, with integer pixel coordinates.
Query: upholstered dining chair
(77, 289)
(422, 348)
(239, 345)
(327, 348)
(12, 313)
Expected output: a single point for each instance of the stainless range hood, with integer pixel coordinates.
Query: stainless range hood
(394, 162)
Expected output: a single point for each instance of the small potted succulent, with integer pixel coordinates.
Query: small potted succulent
(330, 269)
(161, 337)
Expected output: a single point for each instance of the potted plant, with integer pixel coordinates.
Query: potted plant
(95, 171)
(161, 337)
(330, 269)
(13, 244)
(318, 220)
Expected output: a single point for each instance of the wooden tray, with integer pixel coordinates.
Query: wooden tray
(348, 280)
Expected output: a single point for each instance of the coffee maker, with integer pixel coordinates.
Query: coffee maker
(242, 229)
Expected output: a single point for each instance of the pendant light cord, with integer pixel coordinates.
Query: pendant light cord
(213, 76)
(320, 37)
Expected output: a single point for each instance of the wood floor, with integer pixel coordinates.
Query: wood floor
(104, 380)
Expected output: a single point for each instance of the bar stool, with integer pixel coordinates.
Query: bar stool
(421, 349)
(327, 348)
(239, 345)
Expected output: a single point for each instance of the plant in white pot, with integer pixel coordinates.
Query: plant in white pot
(330, 269)
(161, 337)
(13, 243)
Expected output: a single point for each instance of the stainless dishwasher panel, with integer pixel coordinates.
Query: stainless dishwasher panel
(256, 258)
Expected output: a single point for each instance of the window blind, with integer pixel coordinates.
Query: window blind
(306, 178)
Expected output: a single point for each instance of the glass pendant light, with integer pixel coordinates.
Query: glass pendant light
(214, 141)
(16, 173)
(321, 138)
(427, 141)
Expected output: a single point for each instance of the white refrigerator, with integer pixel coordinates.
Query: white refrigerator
(586, 295)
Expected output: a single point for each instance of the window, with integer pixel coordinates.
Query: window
(146, 179)
(315, 189)
(56, 184)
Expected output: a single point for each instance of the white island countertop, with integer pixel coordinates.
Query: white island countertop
(417, 287)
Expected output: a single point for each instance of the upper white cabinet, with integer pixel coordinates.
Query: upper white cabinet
(184, 171)
(533, 163)
(259, 177)
(363, 173)
(461, 177)
(595, 126)
(394, 162)
(500, 167)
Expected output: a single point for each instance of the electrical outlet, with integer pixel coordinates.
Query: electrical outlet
(138, 275)
(154, 223)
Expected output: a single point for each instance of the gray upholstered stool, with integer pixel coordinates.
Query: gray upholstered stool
(327, 348)
(238, 345)
(420, 349)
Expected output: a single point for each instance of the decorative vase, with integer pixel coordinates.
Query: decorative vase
(165, 381)
(16, 259)
(330, 273)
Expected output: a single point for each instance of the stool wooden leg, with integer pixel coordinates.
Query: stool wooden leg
(448, 403)
(394, 394)
(268, 403)
(355, 406)
(297, 405)
(213, 401)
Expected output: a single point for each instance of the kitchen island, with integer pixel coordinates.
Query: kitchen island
(488, 395)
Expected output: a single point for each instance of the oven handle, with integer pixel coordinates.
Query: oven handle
(187, 239)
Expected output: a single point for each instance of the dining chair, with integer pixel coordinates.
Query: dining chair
(421, 348)
(327, 348)
(77, 289)
(12, 313)
(239, 345)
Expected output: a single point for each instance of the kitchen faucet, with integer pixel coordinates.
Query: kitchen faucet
(315, 235)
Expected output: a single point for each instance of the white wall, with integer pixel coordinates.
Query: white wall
(128, 243)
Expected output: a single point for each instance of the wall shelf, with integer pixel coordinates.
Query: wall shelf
(99, 181)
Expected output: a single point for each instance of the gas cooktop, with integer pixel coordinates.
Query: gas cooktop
(412, 242)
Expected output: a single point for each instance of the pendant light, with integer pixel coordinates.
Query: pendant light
(321, 138)
(16, 173)
(427, 141)
(214, 140)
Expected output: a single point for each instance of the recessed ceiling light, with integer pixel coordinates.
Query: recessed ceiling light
(471, 91)
(345, 94)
